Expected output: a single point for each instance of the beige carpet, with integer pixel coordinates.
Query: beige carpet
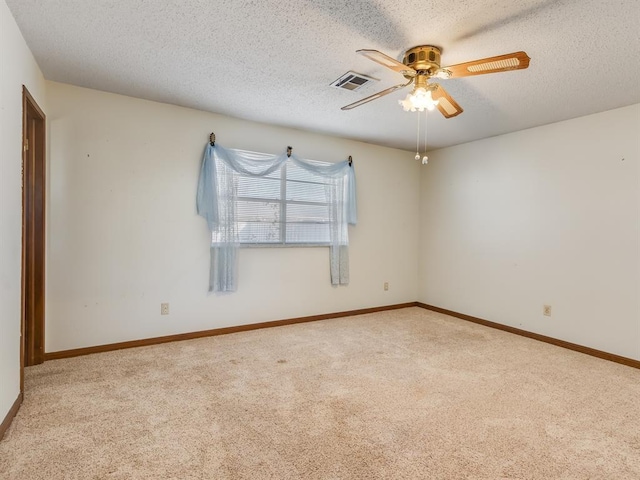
(406, 394)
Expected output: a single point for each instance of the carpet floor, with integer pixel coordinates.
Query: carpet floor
(404, 394)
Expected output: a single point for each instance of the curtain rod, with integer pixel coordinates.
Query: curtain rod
(212, 141)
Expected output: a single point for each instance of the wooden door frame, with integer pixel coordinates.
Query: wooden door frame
(35, 330)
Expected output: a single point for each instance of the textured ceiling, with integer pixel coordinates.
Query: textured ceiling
(272, 61)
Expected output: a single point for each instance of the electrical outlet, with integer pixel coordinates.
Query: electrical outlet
(386, 286)
(164, 309)
(546, 310)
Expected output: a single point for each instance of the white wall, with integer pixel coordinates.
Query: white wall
(549, 215)
(124, 234)
(18, 68)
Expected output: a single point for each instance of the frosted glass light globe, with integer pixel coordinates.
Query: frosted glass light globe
(419, 99)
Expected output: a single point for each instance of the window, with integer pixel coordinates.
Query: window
(260, 199)
(286, 207)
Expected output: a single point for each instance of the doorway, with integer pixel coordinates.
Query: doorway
(33, 233)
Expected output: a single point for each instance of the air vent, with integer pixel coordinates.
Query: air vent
(352, 81)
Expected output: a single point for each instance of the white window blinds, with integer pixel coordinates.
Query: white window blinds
(287, 207)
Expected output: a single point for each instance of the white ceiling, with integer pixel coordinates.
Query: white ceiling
(272, 61)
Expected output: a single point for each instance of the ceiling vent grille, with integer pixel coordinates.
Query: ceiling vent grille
(352, 81)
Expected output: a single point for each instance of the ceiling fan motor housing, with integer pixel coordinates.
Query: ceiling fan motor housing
(423, 57)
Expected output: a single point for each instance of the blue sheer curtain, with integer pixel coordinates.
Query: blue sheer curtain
(217, 196)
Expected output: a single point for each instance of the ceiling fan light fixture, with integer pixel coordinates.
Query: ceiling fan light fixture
(418, 100)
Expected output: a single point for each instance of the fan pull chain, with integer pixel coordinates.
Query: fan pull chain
(417, 157)
(425, 159)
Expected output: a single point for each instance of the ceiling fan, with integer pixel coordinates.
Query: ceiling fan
(422, 63)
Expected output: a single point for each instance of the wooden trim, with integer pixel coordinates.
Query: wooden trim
(630, 362)
(33, 102)
(4, 426)
(216, 331)
(313, 318)
(33, 236)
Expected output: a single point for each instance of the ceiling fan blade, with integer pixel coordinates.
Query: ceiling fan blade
(447, 105)
(501, 63)
(376, 95)
(387, 61)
